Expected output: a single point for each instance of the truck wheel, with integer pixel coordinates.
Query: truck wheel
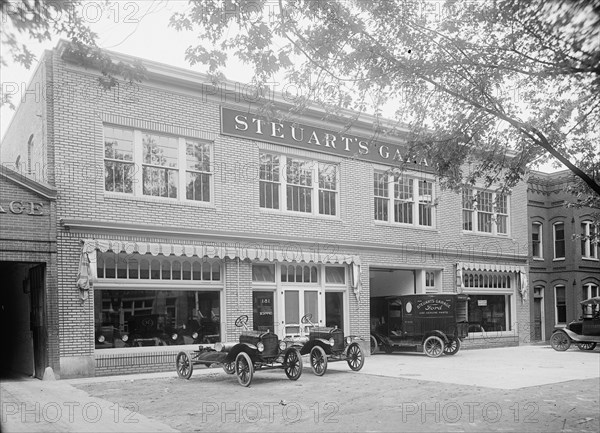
(560, 341)
(452, 347)
(244, 369)
(586, 346)
(318, 360)
(433, 346)
(184, 365)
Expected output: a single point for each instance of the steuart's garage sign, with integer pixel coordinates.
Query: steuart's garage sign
(20, 207)
(247, 125)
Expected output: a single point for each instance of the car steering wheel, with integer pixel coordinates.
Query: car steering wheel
(242, 321)
(306, 319)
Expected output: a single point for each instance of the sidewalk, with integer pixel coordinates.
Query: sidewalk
(32, 405)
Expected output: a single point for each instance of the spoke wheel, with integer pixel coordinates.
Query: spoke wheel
(318, 360)
(453, 347)
(373, 345)
(244, 369)
(433, 346)
(586, 346)
(560, 341)
(356, 358)
(184, 365)
(229, 367)
(292, 362)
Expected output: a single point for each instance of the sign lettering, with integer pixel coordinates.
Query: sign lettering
(18, 207)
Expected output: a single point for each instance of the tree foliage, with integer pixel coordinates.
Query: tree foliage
(470, 80)
(41, 20)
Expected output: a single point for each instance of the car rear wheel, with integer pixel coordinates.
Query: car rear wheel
(244, 369)
(373, 345)
(356, 358)
(318, 361)
(229, 367)
(586, 346)
(452, 347)
(433, 346)
(560, 341)
(292, 362)
(184, 365)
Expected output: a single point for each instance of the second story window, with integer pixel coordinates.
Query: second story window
(402, 199)
(589, 247)
(536, 241)
(147, 164)
(298, 185)
(485, 211)
(559, 240)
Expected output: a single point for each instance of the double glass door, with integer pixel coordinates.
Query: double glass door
(298, 302)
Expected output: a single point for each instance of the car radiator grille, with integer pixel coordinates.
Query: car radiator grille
(271, 343)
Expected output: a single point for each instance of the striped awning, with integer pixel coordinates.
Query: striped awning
(490, 267)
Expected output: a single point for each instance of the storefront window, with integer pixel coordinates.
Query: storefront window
(135, 318)
(489, 313)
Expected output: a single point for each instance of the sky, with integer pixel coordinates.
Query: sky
(137, 28)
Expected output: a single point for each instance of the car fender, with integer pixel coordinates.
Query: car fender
(573, 336)
(310, 344)
(437, 334)
(250, 349)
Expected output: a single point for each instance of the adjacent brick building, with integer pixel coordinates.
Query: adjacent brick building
(564, 268)
(193, 208)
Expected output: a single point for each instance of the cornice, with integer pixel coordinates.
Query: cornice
(39, 188)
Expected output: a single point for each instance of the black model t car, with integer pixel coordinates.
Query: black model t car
(256, 350)
(150, 330)
(585, 332)
(327, 344)
(433, 323)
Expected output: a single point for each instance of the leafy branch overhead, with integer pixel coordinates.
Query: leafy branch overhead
(41, 20)
(469, 80)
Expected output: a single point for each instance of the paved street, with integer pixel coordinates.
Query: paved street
(527, 388)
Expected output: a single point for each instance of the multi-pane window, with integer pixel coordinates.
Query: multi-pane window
(536, 240)
(559, 240)
(148, 164)
(118, 160)
(402, 199)
(300, 185)
(560, 304)
(299, 273)
(590, 290)
(589, 247)
(484, 211)
(197, 175)
(380, 188)
(160, 163)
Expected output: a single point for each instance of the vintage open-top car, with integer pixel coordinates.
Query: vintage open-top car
(327, 344)
(584, 332)
(256, 350)
(433, 323)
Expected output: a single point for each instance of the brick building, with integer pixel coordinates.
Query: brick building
(193, 208)
(564, 269)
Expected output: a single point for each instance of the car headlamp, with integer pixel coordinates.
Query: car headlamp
(348, 340)
(282, 345)
(331, 341)
(101, 339)
(174, 336)
(218, 346)
(125, 337)
(195, 335)
(260, 346)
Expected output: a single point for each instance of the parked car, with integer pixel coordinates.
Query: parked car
(327, 344)
(584, 332)
(433, 323)
(150, 330)
(255, 350)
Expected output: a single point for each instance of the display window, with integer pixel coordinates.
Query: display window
(489, 313)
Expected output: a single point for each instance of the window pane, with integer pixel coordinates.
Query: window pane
(311, 305)
(559, 241)
(334, 309)
(561, 305)
(264, 272)
(335, 275)
(488, 312)
(292, 302)
(263, 311)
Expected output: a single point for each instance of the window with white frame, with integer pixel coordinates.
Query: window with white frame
(485, 211)
(304, 186)
(410, 200)
(430, 282)
(169, 165)
(559, 240)
(590, 290)
(589, 247)
(537, 251)
(560, 304)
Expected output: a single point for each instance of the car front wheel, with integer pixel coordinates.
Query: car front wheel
(244, 369)
(292, 362)
(356, 359)
(184, 365)
(560, 341)
(434, 346)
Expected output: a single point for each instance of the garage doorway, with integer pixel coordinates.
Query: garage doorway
(24, 330)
